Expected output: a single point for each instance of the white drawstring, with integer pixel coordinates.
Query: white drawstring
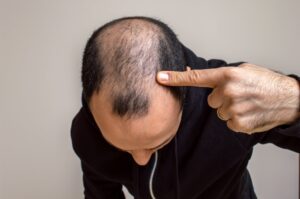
(151, 176)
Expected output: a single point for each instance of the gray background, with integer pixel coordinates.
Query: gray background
(41, 47)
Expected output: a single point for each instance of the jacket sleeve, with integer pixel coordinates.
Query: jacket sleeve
(284, 136)
(96, 187)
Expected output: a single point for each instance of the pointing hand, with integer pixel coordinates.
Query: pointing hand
(249, 98)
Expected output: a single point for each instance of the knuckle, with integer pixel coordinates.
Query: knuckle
(193, 76)
(233, 110)
(232, 73)
(211, 101)
(245, 126)
(232, 91)
(231, 125)
(229, 92)
(236, 110)
(244, 65)
(240, 124)
(178, 78)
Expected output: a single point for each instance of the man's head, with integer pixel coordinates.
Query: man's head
(120, 62)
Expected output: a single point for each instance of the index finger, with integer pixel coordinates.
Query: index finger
(199, 78)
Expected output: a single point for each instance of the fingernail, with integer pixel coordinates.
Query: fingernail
(163, 76)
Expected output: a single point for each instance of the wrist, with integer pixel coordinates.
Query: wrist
(287, 101)
(293, 98)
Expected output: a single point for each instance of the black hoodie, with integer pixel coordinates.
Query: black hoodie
(205, 160)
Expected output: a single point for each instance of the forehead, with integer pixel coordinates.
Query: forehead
(161, 120)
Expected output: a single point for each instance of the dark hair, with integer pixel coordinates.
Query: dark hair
(125, 55)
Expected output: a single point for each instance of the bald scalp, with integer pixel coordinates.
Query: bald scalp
(123, 57)
(130, 54)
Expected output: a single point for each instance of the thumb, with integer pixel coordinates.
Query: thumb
(199, 78)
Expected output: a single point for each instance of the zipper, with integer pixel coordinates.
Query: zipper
(152, 175)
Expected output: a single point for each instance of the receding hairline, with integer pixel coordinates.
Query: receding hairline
(146, 28)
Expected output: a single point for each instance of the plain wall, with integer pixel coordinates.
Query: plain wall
(41, 44)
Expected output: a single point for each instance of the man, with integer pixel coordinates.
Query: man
(167, 142)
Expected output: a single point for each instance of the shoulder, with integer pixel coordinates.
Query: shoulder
(82, 132)
(87, 140)
(93, 150)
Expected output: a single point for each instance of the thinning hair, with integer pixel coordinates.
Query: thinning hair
(124, 55)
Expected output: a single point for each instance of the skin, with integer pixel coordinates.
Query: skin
(249, 98)
(140, 136)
